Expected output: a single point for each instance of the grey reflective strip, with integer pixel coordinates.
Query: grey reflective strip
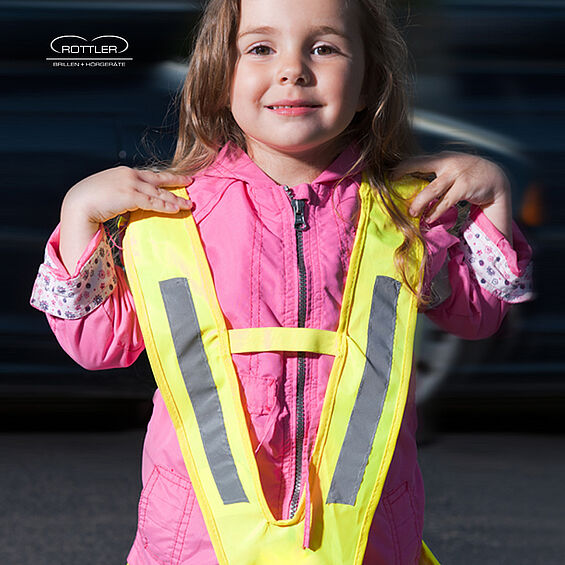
(199, 382)
(369, 403)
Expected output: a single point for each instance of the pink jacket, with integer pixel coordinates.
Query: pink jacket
(247, 228)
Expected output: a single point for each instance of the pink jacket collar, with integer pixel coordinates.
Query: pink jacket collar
(232, 162)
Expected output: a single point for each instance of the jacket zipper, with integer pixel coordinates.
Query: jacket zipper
(298, 206)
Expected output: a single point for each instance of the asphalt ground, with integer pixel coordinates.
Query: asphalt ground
(69, 497)
(495, 498)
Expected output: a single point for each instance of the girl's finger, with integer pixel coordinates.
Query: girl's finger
(437, 210)
(447, 201)
(164, 179)
(160, 198)
(433, 191)
(144, 201)
(161, 192)
(421, 164)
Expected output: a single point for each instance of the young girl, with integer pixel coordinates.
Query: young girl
(301, 261)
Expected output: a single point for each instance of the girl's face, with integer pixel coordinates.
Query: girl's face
(298, 76)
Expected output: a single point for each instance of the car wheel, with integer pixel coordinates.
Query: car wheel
(436, 354)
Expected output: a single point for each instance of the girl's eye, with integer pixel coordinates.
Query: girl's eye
(260, 50)
(323, 50)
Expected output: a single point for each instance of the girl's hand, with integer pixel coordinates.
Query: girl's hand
(112, 192)
(107, 194)
(459, 176)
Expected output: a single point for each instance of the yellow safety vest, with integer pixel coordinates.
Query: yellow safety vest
(190, 350)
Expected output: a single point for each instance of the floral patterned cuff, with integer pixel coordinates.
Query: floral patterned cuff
(77, 296)
(492, 269)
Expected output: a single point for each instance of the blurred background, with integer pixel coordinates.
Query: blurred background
(489, 79)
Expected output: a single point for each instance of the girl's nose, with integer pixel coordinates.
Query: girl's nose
(294, 71)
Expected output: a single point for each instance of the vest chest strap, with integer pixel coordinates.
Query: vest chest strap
(250, 340)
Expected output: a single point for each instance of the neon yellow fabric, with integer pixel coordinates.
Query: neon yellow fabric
(250, 340)
(427, 557)
(159, 247)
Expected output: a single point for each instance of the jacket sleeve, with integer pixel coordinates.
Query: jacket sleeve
(91, 311)
(474, 274)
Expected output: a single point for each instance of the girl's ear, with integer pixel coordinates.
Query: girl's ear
(362, 103)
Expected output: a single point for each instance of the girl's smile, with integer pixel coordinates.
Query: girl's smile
(293, 107)
(297, 81)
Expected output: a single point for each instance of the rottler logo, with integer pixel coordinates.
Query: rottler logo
(77, 51)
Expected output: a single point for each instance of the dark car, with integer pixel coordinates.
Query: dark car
(65, 122)
(500, 65)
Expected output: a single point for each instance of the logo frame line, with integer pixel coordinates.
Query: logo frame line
(89, 59)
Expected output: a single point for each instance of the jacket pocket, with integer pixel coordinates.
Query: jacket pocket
(405, 524)
(260, 394)
(165, 508)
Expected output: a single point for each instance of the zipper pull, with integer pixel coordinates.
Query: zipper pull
(299, 219)
(298, 207)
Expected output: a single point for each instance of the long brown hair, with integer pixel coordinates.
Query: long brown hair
(381, 130)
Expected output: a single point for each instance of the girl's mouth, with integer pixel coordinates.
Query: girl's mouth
(293, 109)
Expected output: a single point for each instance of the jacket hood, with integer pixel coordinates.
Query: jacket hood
(232, 164)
